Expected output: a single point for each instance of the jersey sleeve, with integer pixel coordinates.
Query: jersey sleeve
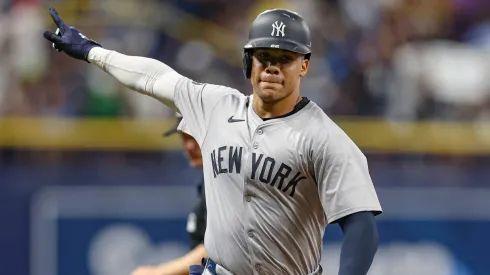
(344, 183)
(196, 102)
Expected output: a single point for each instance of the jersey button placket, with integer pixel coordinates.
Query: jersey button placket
(251, 233)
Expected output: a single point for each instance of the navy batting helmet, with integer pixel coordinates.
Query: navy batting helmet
(277, 29)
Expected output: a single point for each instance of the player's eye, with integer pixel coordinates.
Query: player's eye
(262, 55)
(286, 58)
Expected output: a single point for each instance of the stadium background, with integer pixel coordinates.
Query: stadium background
(88, 186)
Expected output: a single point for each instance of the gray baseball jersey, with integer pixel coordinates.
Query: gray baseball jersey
(271, 186)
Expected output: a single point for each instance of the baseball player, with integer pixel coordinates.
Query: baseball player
(196, 221)
(277, 169)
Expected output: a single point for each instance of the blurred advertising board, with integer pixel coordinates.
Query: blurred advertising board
(423, 231)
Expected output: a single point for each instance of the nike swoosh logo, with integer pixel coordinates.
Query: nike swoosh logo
(231, 120)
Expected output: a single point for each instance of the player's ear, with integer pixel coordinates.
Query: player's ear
(304, 66)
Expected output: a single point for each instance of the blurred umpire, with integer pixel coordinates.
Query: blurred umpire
(196, 222)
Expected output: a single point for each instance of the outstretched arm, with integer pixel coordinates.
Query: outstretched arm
(144, 75)
(195, 101)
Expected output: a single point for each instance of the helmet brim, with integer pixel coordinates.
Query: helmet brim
(274, 43)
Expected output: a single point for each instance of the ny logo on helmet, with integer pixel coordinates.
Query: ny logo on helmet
(278, 29)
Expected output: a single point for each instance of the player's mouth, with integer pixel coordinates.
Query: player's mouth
(270, 80)
(273, 86)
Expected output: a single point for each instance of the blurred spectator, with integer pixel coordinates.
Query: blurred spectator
(393, 59)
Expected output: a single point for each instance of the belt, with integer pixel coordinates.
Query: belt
(209, 267)
(212, 268)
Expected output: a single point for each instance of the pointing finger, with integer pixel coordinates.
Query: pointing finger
(57, 19)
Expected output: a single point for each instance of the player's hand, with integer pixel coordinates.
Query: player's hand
(68, 39)
(148, 270)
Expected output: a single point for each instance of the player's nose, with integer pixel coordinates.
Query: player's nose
(271, 69)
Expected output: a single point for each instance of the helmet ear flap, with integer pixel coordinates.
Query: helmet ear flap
(247, 63)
